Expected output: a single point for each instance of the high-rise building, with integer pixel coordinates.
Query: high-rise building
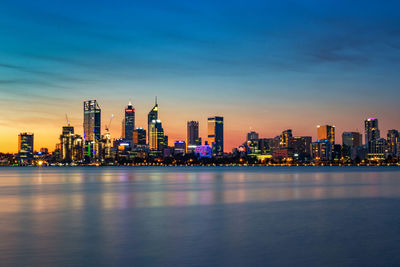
(216, 134)
(302, 147)
(192, 136)
(152, 116)
(286, 138)
(139, 136)
(252, 136)
(156, 137)
(371, 130)
(129, 122)
(322, 150)
(91, 120)
(91, 129)
(350, 142)
(351, 139)
(377, 149)
(392, 142)
(326, 132)
(70, 145)
(25, 146)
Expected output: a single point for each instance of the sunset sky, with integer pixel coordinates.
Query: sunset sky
(263, 65)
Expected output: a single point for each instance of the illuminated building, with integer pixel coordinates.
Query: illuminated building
(139, 136)
(350, 140)
(326, 132)
(91, 128)
(377, 149)
(192, 135)
(129, 122)
(301, 146)
(392, 142)
(286, 138)
(179, 148)
(216, 135)
(371, 130)
(67, 143)
(251, 136)
(203, 151)
(25, 146)
(152, 116)
(322, 150)
(156, 138)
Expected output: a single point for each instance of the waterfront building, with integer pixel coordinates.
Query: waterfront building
(70, 145)
(377, 149)
(326, 132)
(179, 148)
(152, 116)
(301, 146)
(322, 150)
(286, 138)
(392, 142)
(139, 136)
(91, 129)
(129, 122)
(371, 130)
(192, 136)
(156, 138)
(216, 135)
(25, 146)
(350, 140)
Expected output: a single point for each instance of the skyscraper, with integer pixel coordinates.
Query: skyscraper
(139, 136)
(371, 130)
(192, 137)
(392, 142)
(91, 120)
(25, 146)
(326, 132)
(351, 139)
(152, 116)
(216, 134)
(91, 128)
(156, 137)
(286, 138)
(129, 122)
(71, 145)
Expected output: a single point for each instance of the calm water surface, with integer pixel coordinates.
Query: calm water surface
(198, 216)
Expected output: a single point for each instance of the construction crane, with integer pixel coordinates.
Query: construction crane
(66, 116)
(109, 123)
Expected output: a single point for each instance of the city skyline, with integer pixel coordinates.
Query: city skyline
(106, 125)
(263, 66)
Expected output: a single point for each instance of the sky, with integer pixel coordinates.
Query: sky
(264, 65)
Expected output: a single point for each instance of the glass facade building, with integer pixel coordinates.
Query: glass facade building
(216, 135)
(129, 122)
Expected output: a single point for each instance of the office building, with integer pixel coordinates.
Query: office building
(152, 116)
(301, 146)
(139, 136)
(286, 138)
(156, 137)
(179, 148)
(216, 135)
(322, 150)
(371, 130)
(91, 129)
(392, 142)
(377, 149)
(192, 136)
(129, 122)
(351, 139)
(326, 132)
(25, 146)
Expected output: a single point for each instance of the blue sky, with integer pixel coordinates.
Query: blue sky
(265, 65)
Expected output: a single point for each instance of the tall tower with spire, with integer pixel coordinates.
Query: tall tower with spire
(129, 122)
(152, 116)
